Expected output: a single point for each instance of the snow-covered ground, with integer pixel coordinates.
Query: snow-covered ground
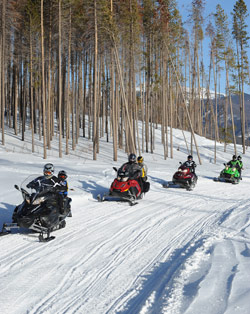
(175, 252)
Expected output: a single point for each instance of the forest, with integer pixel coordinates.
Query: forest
(118, 70)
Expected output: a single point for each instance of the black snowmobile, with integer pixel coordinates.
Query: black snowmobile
(40, 211)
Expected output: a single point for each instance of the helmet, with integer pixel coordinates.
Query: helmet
(234, 157)
(239, 157)
(48, 170)
(190, 157)
(140, 159)
(132, 158)
(62, 175)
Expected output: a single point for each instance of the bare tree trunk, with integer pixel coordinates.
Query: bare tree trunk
(231, 111)
(243, 121)
(95, 87)
(114, 106)
(73, 103)
(31, 92)
(43, 86)
(3, 70)
(68, 92)
(49, 116)
(60, 75)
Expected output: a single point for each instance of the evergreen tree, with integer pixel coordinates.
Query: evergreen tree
(240, 35)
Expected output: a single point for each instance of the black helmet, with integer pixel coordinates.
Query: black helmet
(140, 159)
(48, 170)
(234, 157)
(239, 157)
(62, 175)
(190, 157)
(132, 158)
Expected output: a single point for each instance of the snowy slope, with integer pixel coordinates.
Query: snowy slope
(177, 251)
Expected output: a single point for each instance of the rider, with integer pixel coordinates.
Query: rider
(45, 182)
(48, 180)
(233, 162)
(240, 163)
(133, 169)
(64, 199)
(190, 163)
(144, 168)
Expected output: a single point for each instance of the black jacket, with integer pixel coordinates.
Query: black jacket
(133, 169)
(190, 164)
(42, 183)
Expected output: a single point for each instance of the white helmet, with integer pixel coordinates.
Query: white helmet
(48, 170)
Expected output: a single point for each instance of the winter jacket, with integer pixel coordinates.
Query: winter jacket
(190, 164)
(42, 183)
(233, 163)
(63, 187)
(144, 169)
(133, 169)
(240, 163)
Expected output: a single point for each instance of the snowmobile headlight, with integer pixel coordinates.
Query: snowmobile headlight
(124, 179)
(39, 200)
(185, 170)
(227, 167)
(179, 169)
(27, 199)
(119, 178)
(234, 169)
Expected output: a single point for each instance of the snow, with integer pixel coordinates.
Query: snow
(174, 252)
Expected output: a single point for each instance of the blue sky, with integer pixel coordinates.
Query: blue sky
(210, 7)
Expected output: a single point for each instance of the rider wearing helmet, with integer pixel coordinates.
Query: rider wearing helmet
(62, 176)
(190, 163)
(145, 185)
(133, 169)
(48, 170)
(47, 181)
(240, 163)
(143, 166)
(64, 199)
(233, 162)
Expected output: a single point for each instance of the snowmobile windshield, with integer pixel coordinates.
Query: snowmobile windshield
(122, 179)
(122, 176)
(36, 184)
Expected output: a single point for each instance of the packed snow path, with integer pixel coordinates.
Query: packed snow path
(176, 251)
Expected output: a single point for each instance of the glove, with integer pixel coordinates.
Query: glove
(30, 185)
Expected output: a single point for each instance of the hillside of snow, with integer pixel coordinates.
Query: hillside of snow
(174, 252)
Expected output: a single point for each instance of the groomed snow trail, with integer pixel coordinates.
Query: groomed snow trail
(175, 252)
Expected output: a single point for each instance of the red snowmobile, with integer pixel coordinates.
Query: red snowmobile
(122, 188)
(183, 178)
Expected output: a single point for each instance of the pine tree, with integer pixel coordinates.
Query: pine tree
(240, 35)
(225, 53)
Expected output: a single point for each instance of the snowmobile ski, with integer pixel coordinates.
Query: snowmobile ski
(7, 228)
(48, 239)
(171, 184)
(108, 197)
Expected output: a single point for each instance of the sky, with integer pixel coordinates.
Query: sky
(210, 7)
(175, 252)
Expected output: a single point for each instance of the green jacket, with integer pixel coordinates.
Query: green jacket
(240, 163)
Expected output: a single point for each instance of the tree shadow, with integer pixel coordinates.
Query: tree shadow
(157, 180)
(6, 211)
(93, 187)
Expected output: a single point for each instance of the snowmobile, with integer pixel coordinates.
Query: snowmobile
(183, 178)
(229, 174)
(123, 188)
(39, 211)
